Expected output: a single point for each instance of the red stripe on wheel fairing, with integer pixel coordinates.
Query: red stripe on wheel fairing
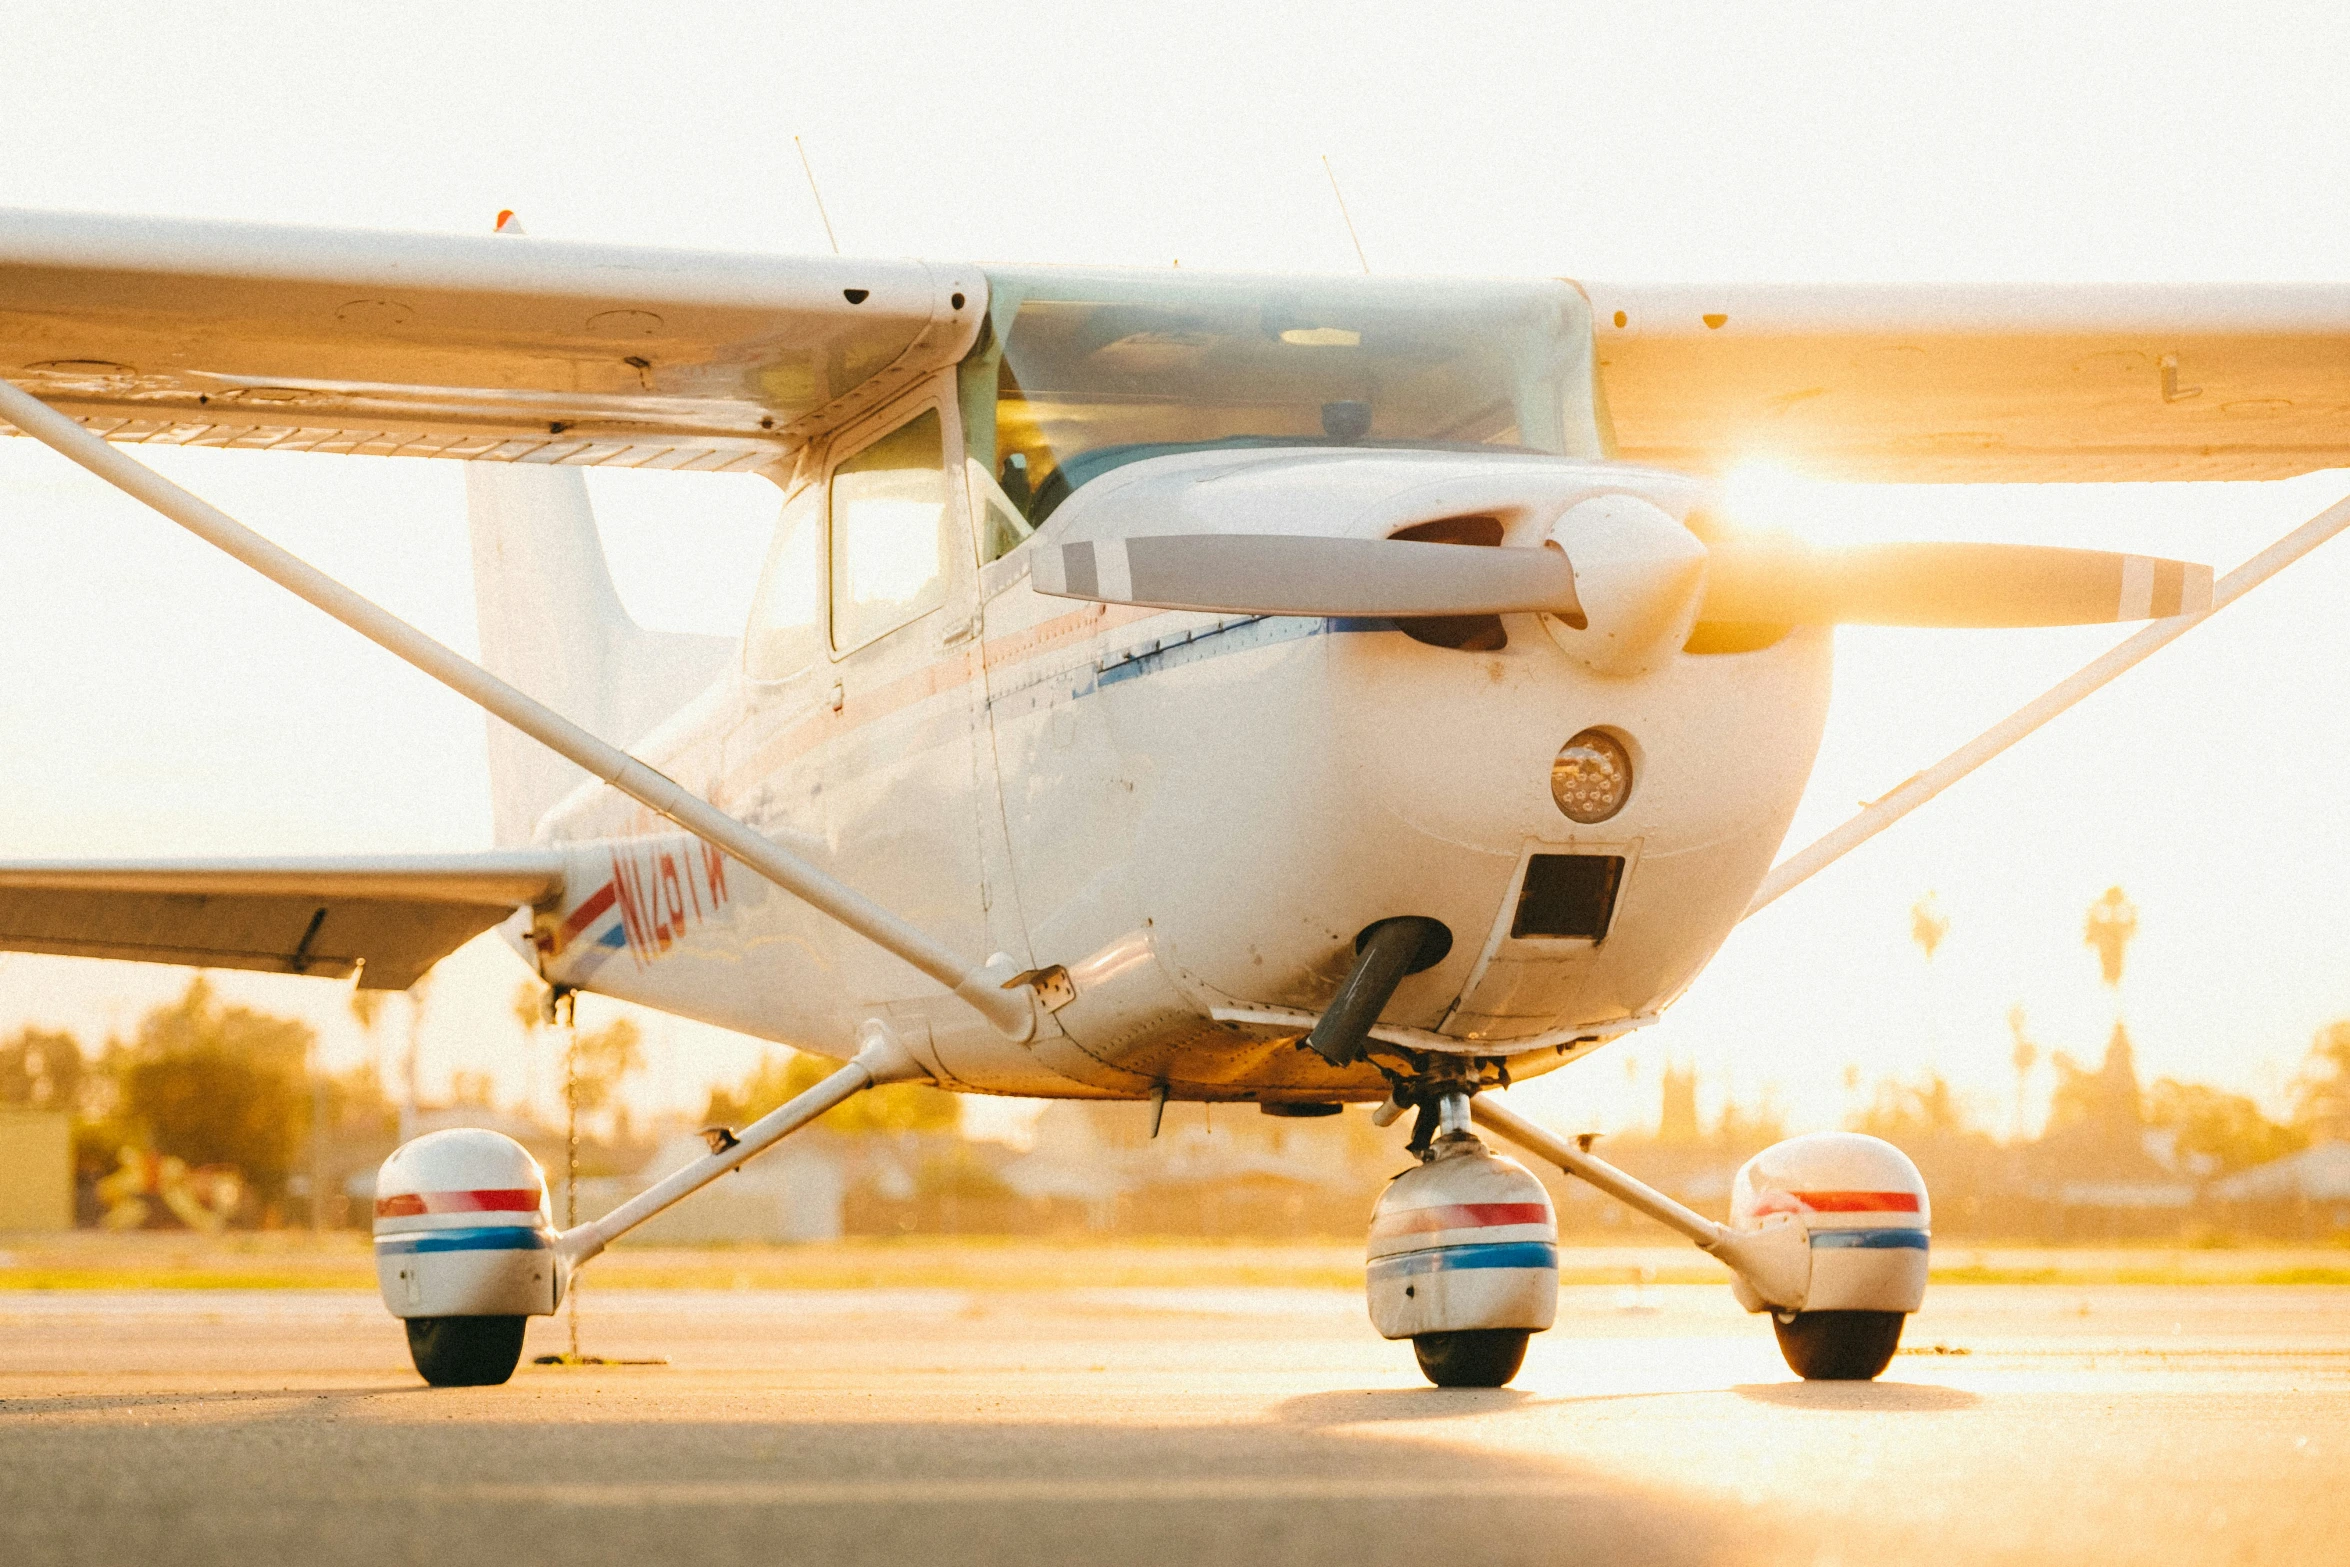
(407, 1205)
(1858, 1202)
(1457, 1216)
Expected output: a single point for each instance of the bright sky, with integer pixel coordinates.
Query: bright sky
(159, 700)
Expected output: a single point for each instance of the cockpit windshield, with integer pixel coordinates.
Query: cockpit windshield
(1079, 373)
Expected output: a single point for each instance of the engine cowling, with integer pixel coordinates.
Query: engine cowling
(1864, 1211)
(1466, 1241)
(462, 1229)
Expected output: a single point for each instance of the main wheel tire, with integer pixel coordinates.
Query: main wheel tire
(1471, 1357)
(1839, 1346)
(465, 1351)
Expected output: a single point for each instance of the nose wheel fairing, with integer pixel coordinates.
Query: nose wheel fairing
(1464, 1242)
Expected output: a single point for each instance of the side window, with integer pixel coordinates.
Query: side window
(890, 532)
(787, 618)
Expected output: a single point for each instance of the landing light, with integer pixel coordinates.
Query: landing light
(1592, 777)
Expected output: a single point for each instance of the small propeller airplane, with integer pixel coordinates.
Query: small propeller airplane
(1289, 691)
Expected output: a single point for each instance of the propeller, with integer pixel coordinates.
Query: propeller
(1764, 581)
(1298, 574)
(1952, 585)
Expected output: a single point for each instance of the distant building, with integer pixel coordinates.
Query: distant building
(1226, 1171)
(2319, 1173)
(2305, 1194)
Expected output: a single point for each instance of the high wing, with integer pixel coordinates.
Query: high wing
(2008, 383)
(386, 918)
(493, 347)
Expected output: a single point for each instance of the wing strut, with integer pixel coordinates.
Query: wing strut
(1774, 1261)
(1920, 787)
(1012, 1011)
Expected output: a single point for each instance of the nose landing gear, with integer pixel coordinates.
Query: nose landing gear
(1463, 1253)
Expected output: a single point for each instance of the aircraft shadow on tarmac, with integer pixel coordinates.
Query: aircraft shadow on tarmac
(1875, 1397)
(1408, 1404)
(587, 1492)
(1419, 1403)
(1351, 1408)
(107, 1403)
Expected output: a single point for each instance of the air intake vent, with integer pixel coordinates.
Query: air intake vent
(1571, 895)
(1462, 633)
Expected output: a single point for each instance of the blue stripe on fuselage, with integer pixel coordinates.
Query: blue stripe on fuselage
(1150, 655)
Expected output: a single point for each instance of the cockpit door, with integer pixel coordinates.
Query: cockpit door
(909, 782)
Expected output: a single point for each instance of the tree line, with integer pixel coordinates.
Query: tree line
(206, 1082)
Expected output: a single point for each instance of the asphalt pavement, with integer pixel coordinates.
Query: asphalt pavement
(2113, 1424)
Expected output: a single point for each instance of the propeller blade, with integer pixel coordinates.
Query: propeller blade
(1291, 574)
(1775, 582)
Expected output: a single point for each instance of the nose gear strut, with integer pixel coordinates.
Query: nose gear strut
(1384, 954)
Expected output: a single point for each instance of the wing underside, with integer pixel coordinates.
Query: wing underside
(386, 919)
(2009, 383)
(489, 347)
(511, 349)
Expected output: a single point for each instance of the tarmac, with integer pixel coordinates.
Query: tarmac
(2108, 1424)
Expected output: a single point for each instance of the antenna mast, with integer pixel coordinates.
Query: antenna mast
(809, 170)
(1344, 215)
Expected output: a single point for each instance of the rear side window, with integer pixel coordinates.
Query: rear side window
(787, 618)
(890, 532)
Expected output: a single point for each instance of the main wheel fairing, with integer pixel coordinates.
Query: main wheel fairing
(1867, 1218)
(462, 1229)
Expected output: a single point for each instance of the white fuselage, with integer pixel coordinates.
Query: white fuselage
(1196, 814)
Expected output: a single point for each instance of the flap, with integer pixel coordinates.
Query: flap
(498, 347)
(396, 915)
(2006, 383)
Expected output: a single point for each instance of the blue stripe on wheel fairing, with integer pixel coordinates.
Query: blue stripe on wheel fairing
(497, 1237)
(1870, 1240)
(1486, 1254)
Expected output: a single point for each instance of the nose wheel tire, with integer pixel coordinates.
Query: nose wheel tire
(465, 1351)
(1472, 1357)
(1839, 1346)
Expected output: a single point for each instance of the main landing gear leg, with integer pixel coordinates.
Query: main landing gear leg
(465, 1273)
(1828, 1236)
